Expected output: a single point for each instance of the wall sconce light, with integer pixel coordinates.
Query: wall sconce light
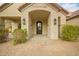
(54, 21)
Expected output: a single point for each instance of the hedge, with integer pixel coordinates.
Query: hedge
(70, 32)
(3, 35)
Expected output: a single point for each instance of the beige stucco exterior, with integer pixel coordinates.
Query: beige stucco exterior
(73, 21)
(11, 10)
(33, 13)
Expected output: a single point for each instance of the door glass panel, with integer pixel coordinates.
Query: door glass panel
(39, 26)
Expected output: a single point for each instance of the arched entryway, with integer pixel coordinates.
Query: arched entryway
(38, 21)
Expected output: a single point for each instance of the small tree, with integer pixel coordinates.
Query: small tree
(20, 36)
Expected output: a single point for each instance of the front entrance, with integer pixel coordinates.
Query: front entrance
(38, 22)
(39, 27)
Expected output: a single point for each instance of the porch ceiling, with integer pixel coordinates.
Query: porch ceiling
(15, 18)
(39, 14)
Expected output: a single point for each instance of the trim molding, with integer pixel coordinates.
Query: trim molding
(4, 6)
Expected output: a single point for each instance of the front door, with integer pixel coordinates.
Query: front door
(39, 27)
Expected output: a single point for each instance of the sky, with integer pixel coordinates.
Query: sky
(71, 7)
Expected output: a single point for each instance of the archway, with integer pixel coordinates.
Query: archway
(38, 21)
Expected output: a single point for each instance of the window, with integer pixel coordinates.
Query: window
(39, 26)
(59, 20)
(24, 22)
(59, 26)
(54, 21)
(2, 24)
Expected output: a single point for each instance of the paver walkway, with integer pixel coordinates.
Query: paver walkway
(37, 46)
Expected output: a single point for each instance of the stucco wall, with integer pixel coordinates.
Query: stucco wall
(11, 10)
(73, 21)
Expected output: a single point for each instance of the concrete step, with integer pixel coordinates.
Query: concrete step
(39, 37)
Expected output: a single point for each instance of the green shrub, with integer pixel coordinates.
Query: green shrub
(70, 33)
(3, 35)
(20, 36)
